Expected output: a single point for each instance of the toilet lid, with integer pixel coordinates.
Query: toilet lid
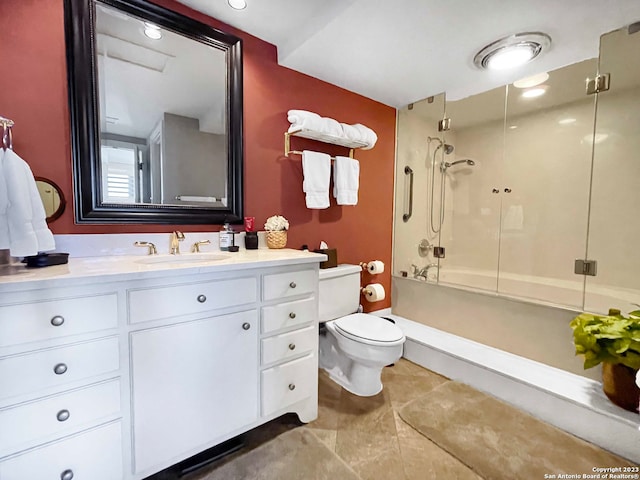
(369, 327)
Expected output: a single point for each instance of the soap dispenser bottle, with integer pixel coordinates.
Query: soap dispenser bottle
(226, 238)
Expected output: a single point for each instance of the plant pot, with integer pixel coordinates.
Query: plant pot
(277, 239)
(619, 384)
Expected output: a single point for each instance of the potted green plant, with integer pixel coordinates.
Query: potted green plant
(614, 341)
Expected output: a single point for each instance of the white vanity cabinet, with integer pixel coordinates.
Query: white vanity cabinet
(60, 385)
(120, 376)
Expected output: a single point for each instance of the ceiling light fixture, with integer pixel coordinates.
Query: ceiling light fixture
(567, 121)
(512, 51)
(237, 4)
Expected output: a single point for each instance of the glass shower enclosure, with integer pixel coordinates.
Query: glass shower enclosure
(533, 191)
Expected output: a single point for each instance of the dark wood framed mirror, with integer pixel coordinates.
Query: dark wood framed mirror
(156, 115)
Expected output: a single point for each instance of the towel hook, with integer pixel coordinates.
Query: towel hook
(7, 136)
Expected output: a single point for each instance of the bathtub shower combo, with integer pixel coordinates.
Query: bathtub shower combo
(527, 197)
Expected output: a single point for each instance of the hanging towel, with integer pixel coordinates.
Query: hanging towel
(28, 232)
(4, 205)
(346, 180)
(316, 168)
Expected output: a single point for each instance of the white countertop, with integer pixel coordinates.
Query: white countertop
(131, 267)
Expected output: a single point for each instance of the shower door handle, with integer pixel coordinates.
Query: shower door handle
(409, 171)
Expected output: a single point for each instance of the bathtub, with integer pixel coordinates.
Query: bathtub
(546, 290)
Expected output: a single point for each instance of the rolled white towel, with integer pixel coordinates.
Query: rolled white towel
(351, 132)
(302, 119)
(368, 136)
(332, 127)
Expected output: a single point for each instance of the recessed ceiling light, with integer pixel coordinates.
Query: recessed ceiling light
(237, 4)
(567, 121)
(531, 81)
(534, 92)
(513, 51)
(153, 33)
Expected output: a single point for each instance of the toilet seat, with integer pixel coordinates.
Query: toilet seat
(369, 329)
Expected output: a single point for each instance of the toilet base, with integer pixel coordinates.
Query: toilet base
(355, 377)
(367, 388)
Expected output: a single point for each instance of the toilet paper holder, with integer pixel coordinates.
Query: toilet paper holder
(373, 292)
(374, 267)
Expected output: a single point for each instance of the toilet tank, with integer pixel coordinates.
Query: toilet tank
(339, 291)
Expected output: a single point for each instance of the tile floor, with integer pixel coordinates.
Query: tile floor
(367, 433)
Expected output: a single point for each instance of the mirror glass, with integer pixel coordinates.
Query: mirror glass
(52, 198)
(157, 126)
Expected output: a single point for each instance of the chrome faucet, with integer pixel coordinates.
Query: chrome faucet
(195, 248)
(174, 244)
(422, 272)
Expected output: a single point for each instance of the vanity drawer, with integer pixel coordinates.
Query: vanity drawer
(57, 415)
(35, 371)
(286, 384)
(164, 302)
(289, 345)
(36, 321)
(290, 314)
(93, 455)
(282, 285)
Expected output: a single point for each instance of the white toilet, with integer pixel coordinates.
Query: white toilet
(355, 346)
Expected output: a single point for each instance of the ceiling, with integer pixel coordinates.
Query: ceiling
(401, 51)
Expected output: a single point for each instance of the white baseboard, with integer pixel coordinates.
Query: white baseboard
(573, 403)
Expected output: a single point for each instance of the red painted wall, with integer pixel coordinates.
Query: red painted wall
(33, 92)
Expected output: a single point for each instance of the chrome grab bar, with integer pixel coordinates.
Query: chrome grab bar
(409, 171)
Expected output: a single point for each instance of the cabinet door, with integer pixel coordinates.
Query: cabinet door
(192, 383)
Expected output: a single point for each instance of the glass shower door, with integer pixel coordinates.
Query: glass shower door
(470, 173)
(545, 193)
(414, 240)
(614, 227)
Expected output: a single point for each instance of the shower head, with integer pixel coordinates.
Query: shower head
(445, 165)
(448, 149)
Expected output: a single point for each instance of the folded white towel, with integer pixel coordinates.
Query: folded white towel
(332, 127)
(26, 218)
(346, 180)
(351, 132)
(316, 168)
(4, 205)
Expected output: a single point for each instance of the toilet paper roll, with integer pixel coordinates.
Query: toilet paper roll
(374, 292)
(375, 267)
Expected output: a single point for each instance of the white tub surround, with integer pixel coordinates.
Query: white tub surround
(124, 367)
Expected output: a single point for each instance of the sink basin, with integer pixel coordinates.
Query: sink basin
(184, 259)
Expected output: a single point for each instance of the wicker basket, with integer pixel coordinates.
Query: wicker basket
(277, 239)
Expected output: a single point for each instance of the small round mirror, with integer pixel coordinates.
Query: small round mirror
(52, 198)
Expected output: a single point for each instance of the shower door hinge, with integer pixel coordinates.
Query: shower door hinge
(586, 267)
(438, 252)
(598, 84)
(444, 125)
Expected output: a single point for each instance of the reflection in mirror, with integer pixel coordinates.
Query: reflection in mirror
(158, 133)
(52, 198)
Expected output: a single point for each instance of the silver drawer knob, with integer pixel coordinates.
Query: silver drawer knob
(63, 415)
(202, 298)
(60, 368)
(57, 320)
(66, 475)
(246, 326)
(292, 315)
(293, 285)
(292, 346)
(292, 386)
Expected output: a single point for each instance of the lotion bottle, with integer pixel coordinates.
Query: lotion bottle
(226, 237)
